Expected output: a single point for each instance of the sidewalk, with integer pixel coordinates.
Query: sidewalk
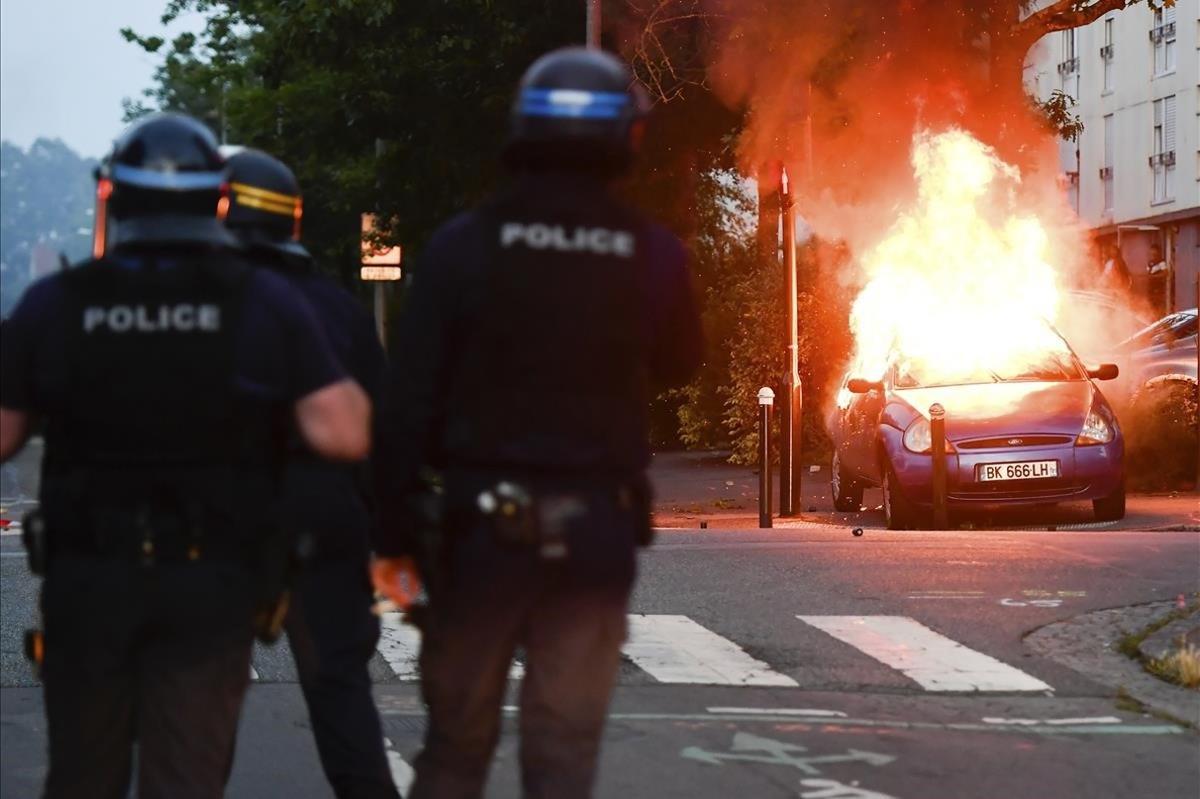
(700, 488)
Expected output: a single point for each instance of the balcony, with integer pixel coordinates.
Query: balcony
(1163, 33)
(1069, 67)
(1106, 52)
(1166, 159)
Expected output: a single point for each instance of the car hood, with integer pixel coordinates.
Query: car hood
(998, 409)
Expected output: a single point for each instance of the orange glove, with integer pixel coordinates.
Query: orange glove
(397, 579)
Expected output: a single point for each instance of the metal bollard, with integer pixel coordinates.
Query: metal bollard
(937, 435)
(766, 399)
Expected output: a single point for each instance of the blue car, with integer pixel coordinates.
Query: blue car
(1037, 433)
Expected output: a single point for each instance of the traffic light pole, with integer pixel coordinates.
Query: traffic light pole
(381, 314)
(790, 495)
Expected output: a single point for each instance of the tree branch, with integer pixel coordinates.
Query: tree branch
(1063, 15)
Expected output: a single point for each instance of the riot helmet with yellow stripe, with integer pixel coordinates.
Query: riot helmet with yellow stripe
(265, 206)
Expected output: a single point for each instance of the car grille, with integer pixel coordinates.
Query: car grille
(1049, 490)
(1012, 442)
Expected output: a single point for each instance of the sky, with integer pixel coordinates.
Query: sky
(64, 68)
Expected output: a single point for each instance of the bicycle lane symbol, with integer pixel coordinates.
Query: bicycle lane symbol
(748, 748)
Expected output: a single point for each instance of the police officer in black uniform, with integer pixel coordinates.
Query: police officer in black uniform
(539, 327)
(165, 371)
(330, 625)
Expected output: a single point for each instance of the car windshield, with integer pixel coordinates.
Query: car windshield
(1051, 365)
(1168, 329)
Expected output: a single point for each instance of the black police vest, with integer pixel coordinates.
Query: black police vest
(151, 423)
(553, 372)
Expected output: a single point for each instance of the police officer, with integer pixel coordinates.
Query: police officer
(330, 625)
(164, 370)
(538, 328)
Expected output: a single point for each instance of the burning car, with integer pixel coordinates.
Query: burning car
(1030, 429)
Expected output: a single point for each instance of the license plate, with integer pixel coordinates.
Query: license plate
(1022, 470)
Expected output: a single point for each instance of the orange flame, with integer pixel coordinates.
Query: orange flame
(961, 282)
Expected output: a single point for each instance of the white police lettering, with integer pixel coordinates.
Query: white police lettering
(184, 317)
(537, 236)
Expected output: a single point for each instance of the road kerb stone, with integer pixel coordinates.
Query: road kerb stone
(1088, 644)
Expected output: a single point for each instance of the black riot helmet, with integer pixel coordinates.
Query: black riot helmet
(163, 184)
(265, 205)
(577, 110)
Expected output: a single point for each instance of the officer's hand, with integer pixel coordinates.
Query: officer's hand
(397, 579)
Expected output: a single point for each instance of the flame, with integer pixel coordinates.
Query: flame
(961, 283)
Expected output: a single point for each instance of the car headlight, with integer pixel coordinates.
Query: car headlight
(918, 438)
(1095, 430)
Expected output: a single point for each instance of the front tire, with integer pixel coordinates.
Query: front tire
(898, 512)
(847, 494)
(1112, 507)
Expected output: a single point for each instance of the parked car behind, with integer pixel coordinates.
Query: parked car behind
(1163, 352)
(1095, 323)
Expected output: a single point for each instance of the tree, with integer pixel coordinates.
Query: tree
(378, 105)
(47, 196)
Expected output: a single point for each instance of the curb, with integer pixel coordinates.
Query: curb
(1087, 644)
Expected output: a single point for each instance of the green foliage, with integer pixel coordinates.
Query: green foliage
(46, 194)
(396, 108)
(1056, 112)
(1162, 437)
(745, 324)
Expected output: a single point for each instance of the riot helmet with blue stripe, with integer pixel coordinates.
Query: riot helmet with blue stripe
(163, 184)
(576, 110)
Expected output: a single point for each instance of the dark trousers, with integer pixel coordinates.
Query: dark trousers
(568, 616)
(160, 655)
(333, 635)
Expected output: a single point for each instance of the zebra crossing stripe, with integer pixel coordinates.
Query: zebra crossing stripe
(675, 649)
(934, 661)
(402, 773)
(400, 643)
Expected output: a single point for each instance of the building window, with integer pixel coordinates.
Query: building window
(1162, 162)
(1163, 37)
(1068, 68)
(1106, 171)
(1106, 55)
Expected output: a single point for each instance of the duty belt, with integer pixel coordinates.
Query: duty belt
(151, 536)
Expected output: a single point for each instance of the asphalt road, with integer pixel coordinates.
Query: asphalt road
(929, 689)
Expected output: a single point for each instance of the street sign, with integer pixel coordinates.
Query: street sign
(372, 256)
(379, 273)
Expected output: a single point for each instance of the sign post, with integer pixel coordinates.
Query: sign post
(378, 266)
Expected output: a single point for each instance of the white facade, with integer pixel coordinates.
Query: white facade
(1134, 174)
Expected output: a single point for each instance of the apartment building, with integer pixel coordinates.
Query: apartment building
(1134, 174)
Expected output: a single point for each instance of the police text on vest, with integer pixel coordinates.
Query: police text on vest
(183, 318)
(538, 236)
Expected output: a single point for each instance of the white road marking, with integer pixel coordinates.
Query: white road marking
(934, 661)
(402, 773)
(253, 673)
(1030, 722)
(675, 649)
(400, 644)
(779, 711)
(893, 724)
(832, 789)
